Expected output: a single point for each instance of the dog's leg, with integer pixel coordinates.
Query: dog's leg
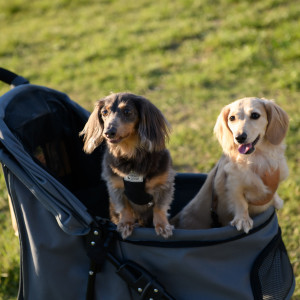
(238, 205)
(235, 196)
(242, 219)
(161, 223)
(126, 222)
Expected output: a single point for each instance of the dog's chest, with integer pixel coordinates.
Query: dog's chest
(244, 181)
(143, 164)
(152, 170)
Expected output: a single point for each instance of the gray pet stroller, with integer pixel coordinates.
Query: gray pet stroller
(70, 249)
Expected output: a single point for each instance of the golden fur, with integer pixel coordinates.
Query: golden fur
(251, 133)
(135, 132)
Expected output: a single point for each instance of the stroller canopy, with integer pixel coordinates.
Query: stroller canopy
(40, 131)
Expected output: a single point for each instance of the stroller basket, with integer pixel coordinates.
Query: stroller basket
(70, 249)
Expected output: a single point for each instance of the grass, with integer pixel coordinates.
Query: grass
(188, 57)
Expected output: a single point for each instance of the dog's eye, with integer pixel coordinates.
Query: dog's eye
(255, 116)
(104, 112)
(126, 111)
(231, 118)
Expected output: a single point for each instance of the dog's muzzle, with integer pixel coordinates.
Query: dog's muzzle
(110, 133)
(248, 148)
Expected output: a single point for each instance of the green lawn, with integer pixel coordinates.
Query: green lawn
(188, 57)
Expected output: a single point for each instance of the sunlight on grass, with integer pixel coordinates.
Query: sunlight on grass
(190, 58)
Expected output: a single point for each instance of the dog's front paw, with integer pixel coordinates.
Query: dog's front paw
(125, 229)
(245, 223)
(165, 230)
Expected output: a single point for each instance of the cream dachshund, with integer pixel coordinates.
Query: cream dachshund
(244, 181)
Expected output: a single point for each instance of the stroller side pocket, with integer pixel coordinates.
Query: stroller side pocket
(272, 274)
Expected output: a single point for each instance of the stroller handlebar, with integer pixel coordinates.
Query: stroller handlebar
(12, 78)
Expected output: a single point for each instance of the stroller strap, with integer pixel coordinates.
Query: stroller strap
(99, 244)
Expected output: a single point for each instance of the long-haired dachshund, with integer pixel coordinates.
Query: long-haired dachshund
(244, 182)
(136, 166)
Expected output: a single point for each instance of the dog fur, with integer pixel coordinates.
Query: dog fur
(251, 133)
(135, 132)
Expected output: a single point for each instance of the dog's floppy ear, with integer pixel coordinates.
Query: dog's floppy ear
(92, 131)
(222, 131)
(153, 128)
(278, 122)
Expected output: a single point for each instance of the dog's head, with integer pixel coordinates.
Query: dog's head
(125, 118)
(244, 124)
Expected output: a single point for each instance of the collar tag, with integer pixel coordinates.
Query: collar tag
(134, 177)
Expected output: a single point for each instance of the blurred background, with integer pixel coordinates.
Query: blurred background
(190, 58)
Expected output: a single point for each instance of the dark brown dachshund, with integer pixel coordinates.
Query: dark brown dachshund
(137, 167)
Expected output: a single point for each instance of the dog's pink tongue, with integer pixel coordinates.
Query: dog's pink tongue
(245, 148)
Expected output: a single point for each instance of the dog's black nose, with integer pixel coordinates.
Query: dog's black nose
(241, 138)
(110, 133)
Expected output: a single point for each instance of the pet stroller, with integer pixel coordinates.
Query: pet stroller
(70, 249)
